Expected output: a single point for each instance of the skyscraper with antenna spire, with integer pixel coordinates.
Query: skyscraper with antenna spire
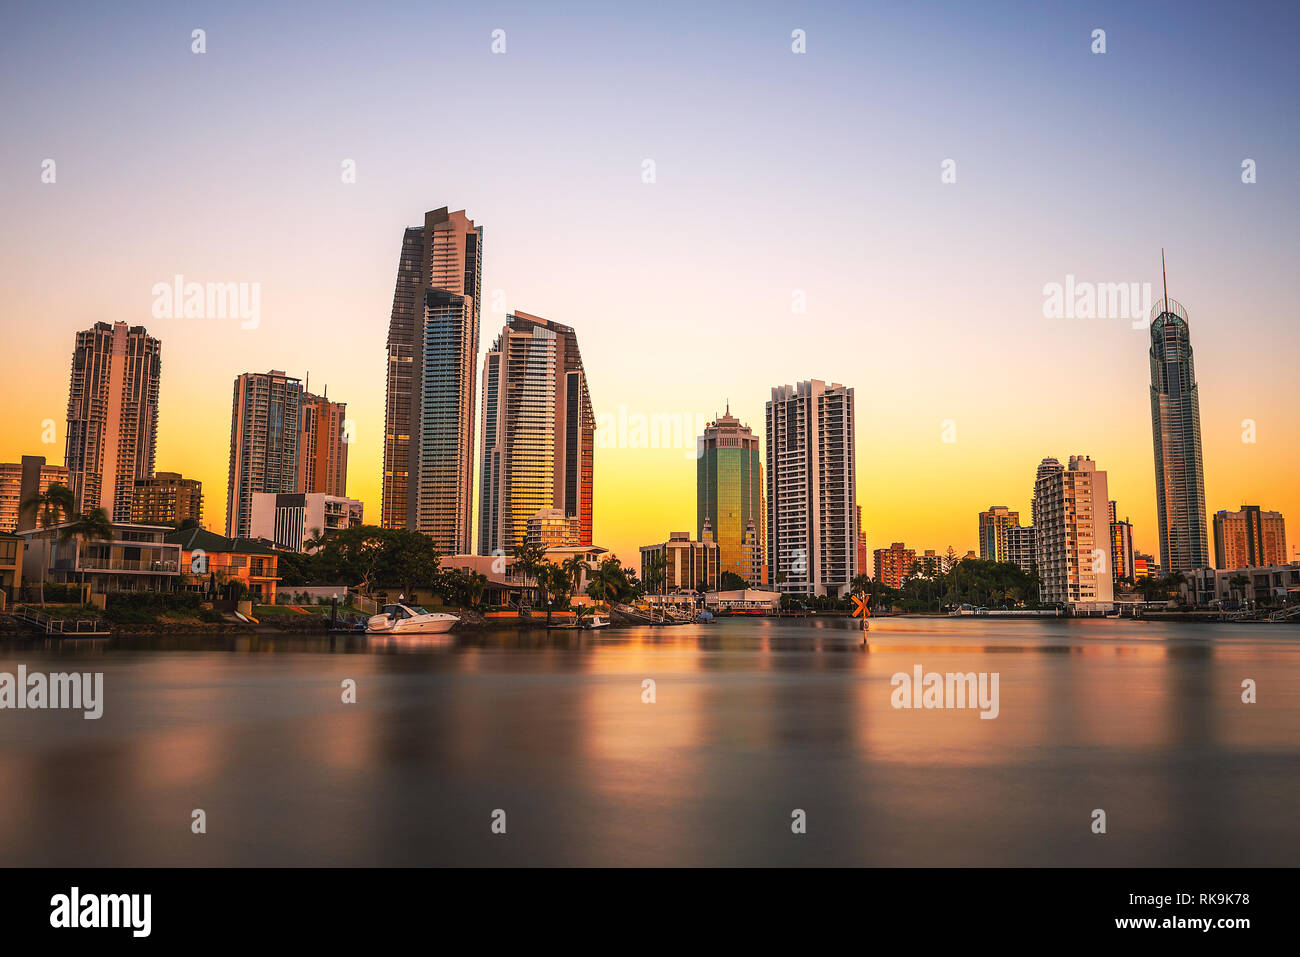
(1176, 438)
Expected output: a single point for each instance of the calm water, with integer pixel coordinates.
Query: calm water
(752, 719)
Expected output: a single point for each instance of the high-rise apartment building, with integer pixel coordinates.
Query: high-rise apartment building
(812, 514)
(112, 416)
(729, 491)
(22, 481)
(862, 545)
(1072, 536)
(1121, 545)
(1176, 437)
(323, 446)
(265, 425)
(895, 564)
(433, 336)
(1249, 538)
(167, 499)
(539, 433)
(993, 525)
(1020, 546)
(1048, 466)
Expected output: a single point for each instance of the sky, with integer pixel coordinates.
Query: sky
(798, 225)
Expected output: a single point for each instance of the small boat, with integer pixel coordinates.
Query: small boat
(402, 619)
(596, 622)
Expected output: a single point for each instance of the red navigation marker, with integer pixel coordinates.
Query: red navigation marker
(862, 609)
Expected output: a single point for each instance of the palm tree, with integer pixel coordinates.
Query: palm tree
(605, 580)
(574, 566)
(1239, 583)
(528, 559)
(95, 526)
(475, 582)
(553, 583)
(53, 505)
(656, 571)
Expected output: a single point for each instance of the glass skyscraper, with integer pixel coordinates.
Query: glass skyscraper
(538, 434)
(429, 403)
(729, 496)
(1176, 437)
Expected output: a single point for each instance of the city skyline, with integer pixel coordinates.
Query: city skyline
(907, 295)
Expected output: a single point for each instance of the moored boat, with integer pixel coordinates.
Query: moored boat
(399, 619)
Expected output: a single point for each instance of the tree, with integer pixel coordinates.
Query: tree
(95, 526)
(656, 573)
(612, 582)
(528, 560)
(375, 558)
(730, 581)
(1239, 583)
(553, 586)
(575, 566)
(53, 505)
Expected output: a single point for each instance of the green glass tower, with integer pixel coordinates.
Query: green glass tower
(729, 497)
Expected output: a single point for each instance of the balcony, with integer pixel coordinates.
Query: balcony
(94, 564)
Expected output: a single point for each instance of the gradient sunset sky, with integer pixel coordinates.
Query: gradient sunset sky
(775, 172)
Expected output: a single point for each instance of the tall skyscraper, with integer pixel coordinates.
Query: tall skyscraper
(112, 416)
(1249, 538)
(265, 424)
(811, 489)
(1072, 535)
(993, 525)
(429, 404)
(729, 491)
(1176, 437)
(322, 446)
(538, 433)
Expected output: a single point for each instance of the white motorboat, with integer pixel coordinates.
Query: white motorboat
(596, 622)
(402, 619)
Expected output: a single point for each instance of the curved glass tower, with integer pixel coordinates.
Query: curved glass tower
(1176, 436)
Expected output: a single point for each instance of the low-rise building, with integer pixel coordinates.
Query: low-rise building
(211, 562)
(11, 567)
(134, 558)
(689, 566)
(746, 601)
(1263, 584)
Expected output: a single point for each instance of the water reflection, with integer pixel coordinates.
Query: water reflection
(750, 720)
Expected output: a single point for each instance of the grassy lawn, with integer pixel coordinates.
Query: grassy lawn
(267, 611)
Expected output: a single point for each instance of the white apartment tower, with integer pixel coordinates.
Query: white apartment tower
(812, 527)
(1072, 535)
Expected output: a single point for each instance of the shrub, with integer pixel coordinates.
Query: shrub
(147, 606)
